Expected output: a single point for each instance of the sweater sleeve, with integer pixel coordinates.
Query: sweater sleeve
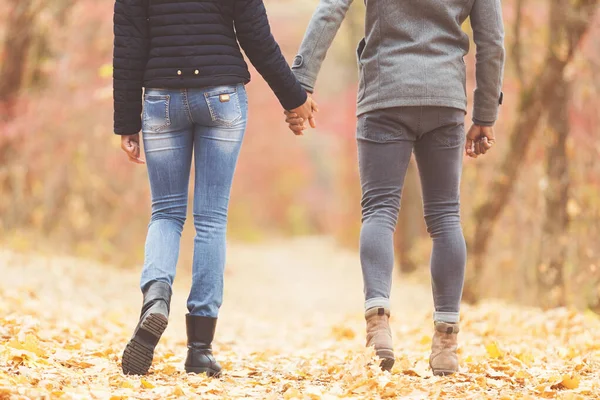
(322, 29)
(488, 34)
(254, 34)
(129, 62)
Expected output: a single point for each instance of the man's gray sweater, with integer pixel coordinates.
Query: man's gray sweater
(412, 53)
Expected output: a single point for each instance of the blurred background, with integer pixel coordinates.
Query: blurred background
(531, 208)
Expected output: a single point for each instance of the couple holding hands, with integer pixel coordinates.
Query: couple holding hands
(185, 57)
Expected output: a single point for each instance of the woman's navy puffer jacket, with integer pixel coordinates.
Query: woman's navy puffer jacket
(192, 44)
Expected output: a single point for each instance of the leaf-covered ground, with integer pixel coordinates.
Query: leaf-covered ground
(291, 328)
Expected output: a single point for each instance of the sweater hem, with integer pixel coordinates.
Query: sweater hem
(366, 107)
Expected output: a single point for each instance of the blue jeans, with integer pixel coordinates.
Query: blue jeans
(386, 140)
(209, 123)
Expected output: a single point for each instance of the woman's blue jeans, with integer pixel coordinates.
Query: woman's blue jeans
(210, 124)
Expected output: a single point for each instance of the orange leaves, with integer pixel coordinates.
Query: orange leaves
(270, 350)
(570, 381)
(341, 332)
(30, 344)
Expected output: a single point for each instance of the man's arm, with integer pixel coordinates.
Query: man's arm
(320, 33)
(488, 34)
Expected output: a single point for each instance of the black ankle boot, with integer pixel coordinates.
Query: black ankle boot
(139, 352)
(200, 333)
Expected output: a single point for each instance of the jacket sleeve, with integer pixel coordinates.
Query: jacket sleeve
(254, 34)
(488, 34)
(321, 31)
(129, 62)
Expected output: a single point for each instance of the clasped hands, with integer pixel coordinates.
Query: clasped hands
(298, 117)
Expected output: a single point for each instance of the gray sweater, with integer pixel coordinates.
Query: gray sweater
(412, 53)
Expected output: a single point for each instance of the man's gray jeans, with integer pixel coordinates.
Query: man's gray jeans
(386, 140)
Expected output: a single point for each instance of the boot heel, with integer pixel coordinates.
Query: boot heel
(386, 363)
(139, 352)
(212, 373)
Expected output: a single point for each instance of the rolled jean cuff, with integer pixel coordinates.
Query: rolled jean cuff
(448, 317)
(377, 302)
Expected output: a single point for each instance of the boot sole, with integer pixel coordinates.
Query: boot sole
(387, 359)
(443, 372)
(138, 354)
(208, 371)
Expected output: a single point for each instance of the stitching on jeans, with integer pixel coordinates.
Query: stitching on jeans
(161, 97)
(213, 115)
(186, 104)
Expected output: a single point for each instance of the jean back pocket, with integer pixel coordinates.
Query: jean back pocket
(156, 112)
(224, 105)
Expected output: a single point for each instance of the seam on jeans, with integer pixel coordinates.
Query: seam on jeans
(186, 105)
(378, 55)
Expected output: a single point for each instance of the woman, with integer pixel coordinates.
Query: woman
(412, 98)
(186, 56)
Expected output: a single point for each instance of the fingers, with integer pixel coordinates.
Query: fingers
(315, 106)
(294, 120)
(469, 148)
(477, 147)
(312, 122)
(297, 129)
(136, 160)
(131, 146)
(485, 145)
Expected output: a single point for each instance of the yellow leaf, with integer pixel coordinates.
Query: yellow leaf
(115, 397)
(493, 351)
(178, 391)
(126, 384)
(146, 384)
(168, 369)
(105, 71)
(570, 381)
(425, 340)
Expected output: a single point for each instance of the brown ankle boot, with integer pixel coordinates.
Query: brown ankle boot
(379, 335)
(443, 359)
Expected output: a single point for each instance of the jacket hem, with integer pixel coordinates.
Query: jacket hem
(365, 107)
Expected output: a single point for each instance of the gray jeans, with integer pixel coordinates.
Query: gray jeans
(386, 140)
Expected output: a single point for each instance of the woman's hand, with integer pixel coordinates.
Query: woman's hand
(131, 145)
(298, 116)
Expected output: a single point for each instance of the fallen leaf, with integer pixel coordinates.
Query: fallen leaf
(146, 384)
(492, 350)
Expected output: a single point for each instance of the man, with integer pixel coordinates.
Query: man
(412, 97)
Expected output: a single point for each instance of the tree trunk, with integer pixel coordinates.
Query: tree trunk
(17, 42)
(410, 220)
(535, 100)
(550, 273)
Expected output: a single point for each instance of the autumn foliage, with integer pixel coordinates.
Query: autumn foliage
(274, 341)
(66, 187)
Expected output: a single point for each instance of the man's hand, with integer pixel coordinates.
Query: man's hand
(296, 118)
(479, 140)
(131, 145)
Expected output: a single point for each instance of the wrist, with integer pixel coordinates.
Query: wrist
(483, 123)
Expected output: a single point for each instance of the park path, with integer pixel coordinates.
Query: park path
(291, 327)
